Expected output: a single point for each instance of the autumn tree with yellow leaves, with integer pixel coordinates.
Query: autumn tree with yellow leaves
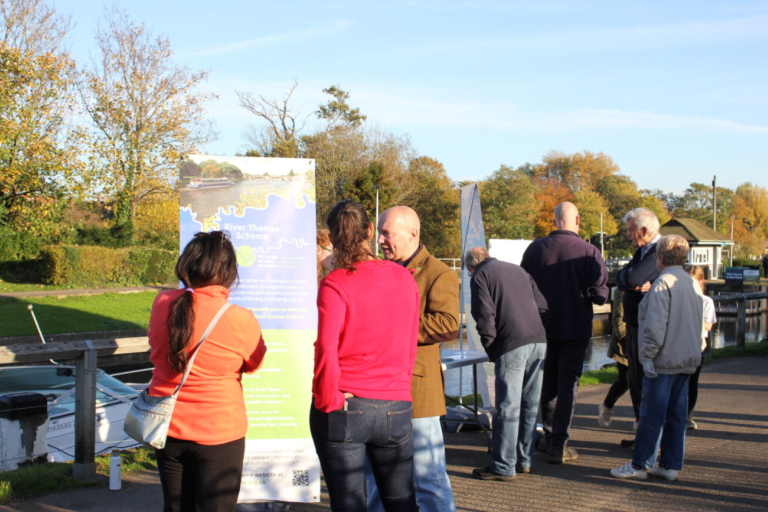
(146, 114)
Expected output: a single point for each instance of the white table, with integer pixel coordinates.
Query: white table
(451, 359)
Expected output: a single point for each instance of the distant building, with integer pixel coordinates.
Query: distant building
(709, 248)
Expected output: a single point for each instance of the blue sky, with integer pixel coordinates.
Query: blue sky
(674, 92)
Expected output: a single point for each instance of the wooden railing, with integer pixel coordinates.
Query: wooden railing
(85, 354)
(741, 311)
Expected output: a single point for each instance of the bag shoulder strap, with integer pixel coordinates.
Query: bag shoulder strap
(208, 330)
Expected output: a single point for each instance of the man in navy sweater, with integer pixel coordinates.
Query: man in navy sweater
(571, 275)
(507, 305)
(635, 280)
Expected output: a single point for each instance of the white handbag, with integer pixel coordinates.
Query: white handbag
(149, 417)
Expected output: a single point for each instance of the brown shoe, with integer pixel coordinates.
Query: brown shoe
(561, 454)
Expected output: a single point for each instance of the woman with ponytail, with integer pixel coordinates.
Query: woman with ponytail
(202, 461)
(368, 312)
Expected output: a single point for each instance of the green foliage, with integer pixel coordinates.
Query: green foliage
(508, 200)
(437, 203)
(90, 266)
(337, 109)
(15, 246)
(606, 375)
(363, 189)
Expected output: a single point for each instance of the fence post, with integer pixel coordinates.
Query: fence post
(741, 323)
(84, 467)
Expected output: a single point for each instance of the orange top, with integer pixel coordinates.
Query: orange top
(210, 408)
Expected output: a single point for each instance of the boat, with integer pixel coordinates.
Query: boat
(198, 183)
(57, 384)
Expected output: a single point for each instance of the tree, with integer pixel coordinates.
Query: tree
(146, 115)
(619, 193)
(38, 148)
(508, 199)
(337, 109)
(750, 227)
(436, 201)
(550, 193)
(364, 187)
(577, 171)
(281, 137)
(696, 203)
(591, 205)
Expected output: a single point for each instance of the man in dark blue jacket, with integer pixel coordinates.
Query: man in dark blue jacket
(571, 275)
(635, 280)
(506, 304)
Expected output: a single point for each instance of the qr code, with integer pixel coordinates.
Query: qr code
(300, 478)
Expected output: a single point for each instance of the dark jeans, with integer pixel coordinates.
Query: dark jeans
(380, 429)
(200, 478)
(662, 422)
(634, 369)
(693, 390)
(562, 370)
(618, 388)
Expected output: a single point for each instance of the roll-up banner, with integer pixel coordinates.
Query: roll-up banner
(473, 235)
(268, 207)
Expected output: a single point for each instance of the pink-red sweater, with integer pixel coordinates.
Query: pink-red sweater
(367, 334)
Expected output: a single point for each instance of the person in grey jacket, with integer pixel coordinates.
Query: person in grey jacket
(670, 318)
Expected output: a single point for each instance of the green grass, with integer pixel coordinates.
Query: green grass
(107, 312)
(751, 349)
(469, 400)
(49, 477)
(607, 375)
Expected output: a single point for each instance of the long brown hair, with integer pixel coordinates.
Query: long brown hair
(697, 273)
(208, 259)
(348, 224)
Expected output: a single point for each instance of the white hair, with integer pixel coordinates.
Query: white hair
(644, 218)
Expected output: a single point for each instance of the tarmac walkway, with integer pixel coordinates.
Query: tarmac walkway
(726, 462)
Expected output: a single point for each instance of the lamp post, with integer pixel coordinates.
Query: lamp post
(714, 203)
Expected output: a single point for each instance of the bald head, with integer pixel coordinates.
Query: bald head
(567, 217)
(399, 233)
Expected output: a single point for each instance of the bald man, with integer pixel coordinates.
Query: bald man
(571, 275)
(399, 230)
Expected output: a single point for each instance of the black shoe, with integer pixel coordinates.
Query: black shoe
(520, 470)
(544, 445)
(628, 443)
(561, 454)
(487, 473)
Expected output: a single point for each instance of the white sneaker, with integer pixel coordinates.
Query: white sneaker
(604, 415)
(666, 474)
(627, 472)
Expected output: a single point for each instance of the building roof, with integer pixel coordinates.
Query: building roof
(693, 231)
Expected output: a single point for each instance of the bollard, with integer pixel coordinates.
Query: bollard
(115, 482)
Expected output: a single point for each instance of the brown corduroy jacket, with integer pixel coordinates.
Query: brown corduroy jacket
(438, 322)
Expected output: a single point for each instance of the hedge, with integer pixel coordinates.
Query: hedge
(93, 266)
(15, 246)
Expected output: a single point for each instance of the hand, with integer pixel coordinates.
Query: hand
(649, 369)
(348, 395)
(644, 288)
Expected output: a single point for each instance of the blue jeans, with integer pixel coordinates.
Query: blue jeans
(663, 413)
(378, 429)
(562, 369)
(519, 375)
(433, 488)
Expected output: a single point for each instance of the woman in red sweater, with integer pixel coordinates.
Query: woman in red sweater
(364, 354)
(202, 461)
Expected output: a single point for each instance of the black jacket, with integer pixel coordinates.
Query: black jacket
(571, 274)
(636, 273)
(506, 305)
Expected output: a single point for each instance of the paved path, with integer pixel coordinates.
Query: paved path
(726, 462)
(93, 291)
